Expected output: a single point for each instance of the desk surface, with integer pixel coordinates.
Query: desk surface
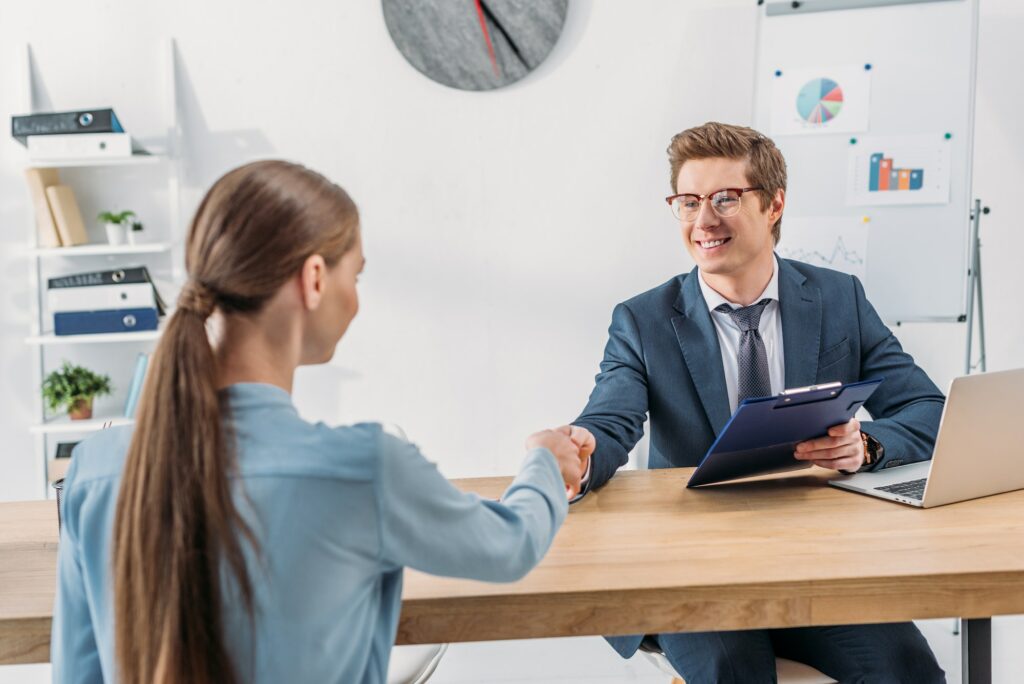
(645, 554)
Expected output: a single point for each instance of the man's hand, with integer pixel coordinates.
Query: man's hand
(583, 440)
(842, 449)
(567, 456)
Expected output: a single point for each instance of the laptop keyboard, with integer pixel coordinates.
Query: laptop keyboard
(912, 489)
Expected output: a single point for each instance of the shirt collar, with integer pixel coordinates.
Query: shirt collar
(244, 395)
(714, 299)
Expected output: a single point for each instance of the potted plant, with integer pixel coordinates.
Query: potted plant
(117, 225)
(73, 388)
(134, 232)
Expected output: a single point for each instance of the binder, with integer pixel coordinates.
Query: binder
(52, 123)
(135, 388)
(64, 449)
(101, 297)
(113, 321)
(67, 215)
(116, 276)
(82, 146)
(38, 180)
(135, 274)
(762, 433)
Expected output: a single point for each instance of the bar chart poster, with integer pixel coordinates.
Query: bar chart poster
(832, 100)
(899, 170)
(836, 242)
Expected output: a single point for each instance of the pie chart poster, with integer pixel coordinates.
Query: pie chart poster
(820, 100)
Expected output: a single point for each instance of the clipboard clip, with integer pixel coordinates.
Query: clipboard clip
(810, 388)
(809, 394)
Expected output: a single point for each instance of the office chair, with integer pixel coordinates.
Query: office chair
(414, 664)
(787, 671)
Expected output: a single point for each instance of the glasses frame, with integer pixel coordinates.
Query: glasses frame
(739, 192)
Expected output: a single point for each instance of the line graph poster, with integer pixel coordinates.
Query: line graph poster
(820, 100)
(839, 243)
(905, 169)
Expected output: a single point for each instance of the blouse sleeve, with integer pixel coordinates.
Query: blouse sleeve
(429, 525)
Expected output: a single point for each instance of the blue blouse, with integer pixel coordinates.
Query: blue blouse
(338, 513)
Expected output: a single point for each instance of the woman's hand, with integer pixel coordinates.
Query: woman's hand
(567, 455)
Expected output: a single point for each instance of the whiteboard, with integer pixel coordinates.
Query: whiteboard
(903, 116)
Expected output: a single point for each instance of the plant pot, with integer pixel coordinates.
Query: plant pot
(116, 233)
(81, 409)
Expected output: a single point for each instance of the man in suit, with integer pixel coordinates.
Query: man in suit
(743, 323)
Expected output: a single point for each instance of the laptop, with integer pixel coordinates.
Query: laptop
(978, 451)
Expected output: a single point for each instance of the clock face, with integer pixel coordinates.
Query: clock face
(475, 44)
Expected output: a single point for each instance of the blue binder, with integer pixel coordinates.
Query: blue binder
(762, 433)
(111, 320)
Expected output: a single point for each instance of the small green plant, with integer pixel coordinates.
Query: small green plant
(73, 386)
(120, 217)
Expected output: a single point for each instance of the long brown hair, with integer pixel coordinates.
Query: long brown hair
(176, 519)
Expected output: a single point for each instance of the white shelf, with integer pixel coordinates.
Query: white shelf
(134, 160)
(66, 425)
(154, 175)
(143, 336)
(100, 250)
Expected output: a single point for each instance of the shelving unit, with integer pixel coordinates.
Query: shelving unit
(133, 160)
(100, 250)
(98, 338)
(114, 350)
(65, 425)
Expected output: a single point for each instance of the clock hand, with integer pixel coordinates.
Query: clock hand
(487, 37)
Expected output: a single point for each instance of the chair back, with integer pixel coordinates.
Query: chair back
(58, 487)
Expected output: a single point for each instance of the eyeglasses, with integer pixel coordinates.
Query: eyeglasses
(724, 202)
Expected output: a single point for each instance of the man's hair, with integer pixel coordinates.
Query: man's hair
(765, 166)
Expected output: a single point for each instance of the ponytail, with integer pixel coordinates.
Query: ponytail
(175, 516)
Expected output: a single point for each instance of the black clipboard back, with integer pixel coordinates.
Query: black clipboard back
(762, 433)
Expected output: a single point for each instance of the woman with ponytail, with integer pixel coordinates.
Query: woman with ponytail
(223, 539)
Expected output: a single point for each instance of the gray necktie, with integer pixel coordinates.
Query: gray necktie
(752, 357)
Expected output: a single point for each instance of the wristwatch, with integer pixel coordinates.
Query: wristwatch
(873, 451)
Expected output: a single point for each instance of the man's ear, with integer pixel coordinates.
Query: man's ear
(313, 281)
(777, 205)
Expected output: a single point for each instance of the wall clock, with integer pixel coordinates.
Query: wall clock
(475, 44)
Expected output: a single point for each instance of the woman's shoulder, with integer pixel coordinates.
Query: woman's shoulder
(299, 448)
(101, 455)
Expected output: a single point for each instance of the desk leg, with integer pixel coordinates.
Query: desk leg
(976, 649)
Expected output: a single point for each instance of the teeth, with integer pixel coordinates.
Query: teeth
(712, 243)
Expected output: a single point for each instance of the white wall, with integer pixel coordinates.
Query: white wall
(500, 228)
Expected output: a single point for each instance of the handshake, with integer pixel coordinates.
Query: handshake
(572, 446)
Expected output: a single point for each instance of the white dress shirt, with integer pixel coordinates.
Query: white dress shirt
(770, 328)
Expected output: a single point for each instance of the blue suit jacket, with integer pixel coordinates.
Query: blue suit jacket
(663, 359)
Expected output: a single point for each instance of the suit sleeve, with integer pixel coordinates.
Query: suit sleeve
(429, 525)
(73, 649)
(907, 406)
(617, 408)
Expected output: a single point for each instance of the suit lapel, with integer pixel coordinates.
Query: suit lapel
(800, 305)
(698, 341)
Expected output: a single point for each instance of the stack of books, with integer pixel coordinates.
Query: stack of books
(58, 218)
(120, 300)
(82, 134)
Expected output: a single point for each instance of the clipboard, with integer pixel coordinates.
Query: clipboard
(762, 433)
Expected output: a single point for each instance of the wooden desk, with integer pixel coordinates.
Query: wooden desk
(644, 554)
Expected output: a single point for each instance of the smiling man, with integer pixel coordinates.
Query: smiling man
(746, 323)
